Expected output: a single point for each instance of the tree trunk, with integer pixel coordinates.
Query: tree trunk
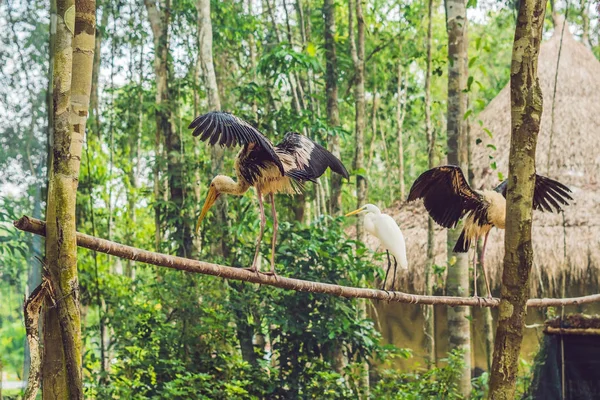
(429, 133)
(373, 120)
(159, 22)
(333, 113)
(206, 61)
(333, 119)
(357, 50)
(62, 376)
(94, 96)
(457, 283)
(400, 113)
(35, 271)
(526, 112)
(585, 23)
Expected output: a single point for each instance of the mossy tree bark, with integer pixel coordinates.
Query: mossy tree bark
(457, 283)
(526, 111)
(333, 114)
(72, 77)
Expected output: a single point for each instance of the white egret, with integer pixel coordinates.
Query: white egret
(384, 228)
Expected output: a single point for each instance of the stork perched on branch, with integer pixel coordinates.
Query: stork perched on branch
(270, 169)
(448, 197)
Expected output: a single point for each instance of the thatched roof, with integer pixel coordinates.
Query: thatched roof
(574, 160)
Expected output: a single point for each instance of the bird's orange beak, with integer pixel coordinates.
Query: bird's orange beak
(211, 197)
(353, 212)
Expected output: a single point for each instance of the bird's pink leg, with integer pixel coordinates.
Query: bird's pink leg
(475, 268)
(261, 207)
(275, 226)
(487, 283)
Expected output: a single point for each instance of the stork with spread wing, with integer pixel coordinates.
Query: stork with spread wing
(270, 169)
(448, 198)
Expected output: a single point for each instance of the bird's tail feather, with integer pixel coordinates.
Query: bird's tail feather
(462, 244)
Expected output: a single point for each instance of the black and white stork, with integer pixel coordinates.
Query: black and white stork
(270, 169)
(448, 198)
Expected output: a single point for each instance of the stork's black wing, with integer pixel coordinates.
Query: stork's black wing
(228, 130)
(447, 196)
(547, 194)
(310, 158)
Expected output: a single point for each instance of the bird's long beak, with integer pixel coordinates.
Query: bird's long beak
(353, 212)
(211, 197)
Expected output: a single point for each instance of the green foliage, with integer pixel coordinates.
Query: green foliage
(175, 335)
(436, 383)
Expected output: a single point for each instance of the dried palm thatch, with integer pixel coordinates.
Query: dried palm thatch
(569, 151)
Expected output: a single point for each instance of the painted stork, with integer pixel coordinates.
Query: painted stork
(384, 228)
(270, 169)
(448, 197)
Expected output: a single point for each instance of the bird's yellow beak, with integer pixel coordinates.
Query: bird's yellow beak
(211, 197)
(353, 212)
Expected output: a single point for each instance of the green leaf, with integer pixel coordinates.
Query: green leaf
(472, 61)
(478, 141)
(469, 112)
(491, 146)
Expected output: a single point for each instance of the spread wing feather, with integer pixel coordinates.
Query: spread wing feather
(447, 196)
(548, 194)
(310, 158)
(228, 130)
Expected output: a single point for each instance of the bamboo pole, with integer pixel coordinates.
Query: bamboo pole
(38, 227)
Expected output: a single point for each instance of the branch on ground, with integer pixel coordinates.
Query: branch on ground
(38, 227)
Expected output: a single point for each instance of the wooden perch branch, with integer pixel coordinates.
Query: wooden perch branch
(38, 227)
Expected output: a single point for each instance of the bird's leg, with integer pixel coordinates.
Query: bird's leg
(487, 283)
(262, 230)
(475, 268)
(395, 267)
(387, 270)
(275, 226)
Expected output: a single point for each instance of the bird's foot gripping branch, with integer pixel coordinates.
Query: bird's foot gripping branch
(38, 227)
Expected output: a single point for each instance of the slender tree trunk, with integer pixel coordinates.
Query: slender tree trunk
(585, 23)
(373, 121)
(488, 320)
(62, 374)
(357, 49)
(252, 47)
(160, 71)
(35, 271)
(94, 97)
(457, 283)
(430, 134)
(526, 112)
(400, 113)
(205, 55)
(175, 214)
